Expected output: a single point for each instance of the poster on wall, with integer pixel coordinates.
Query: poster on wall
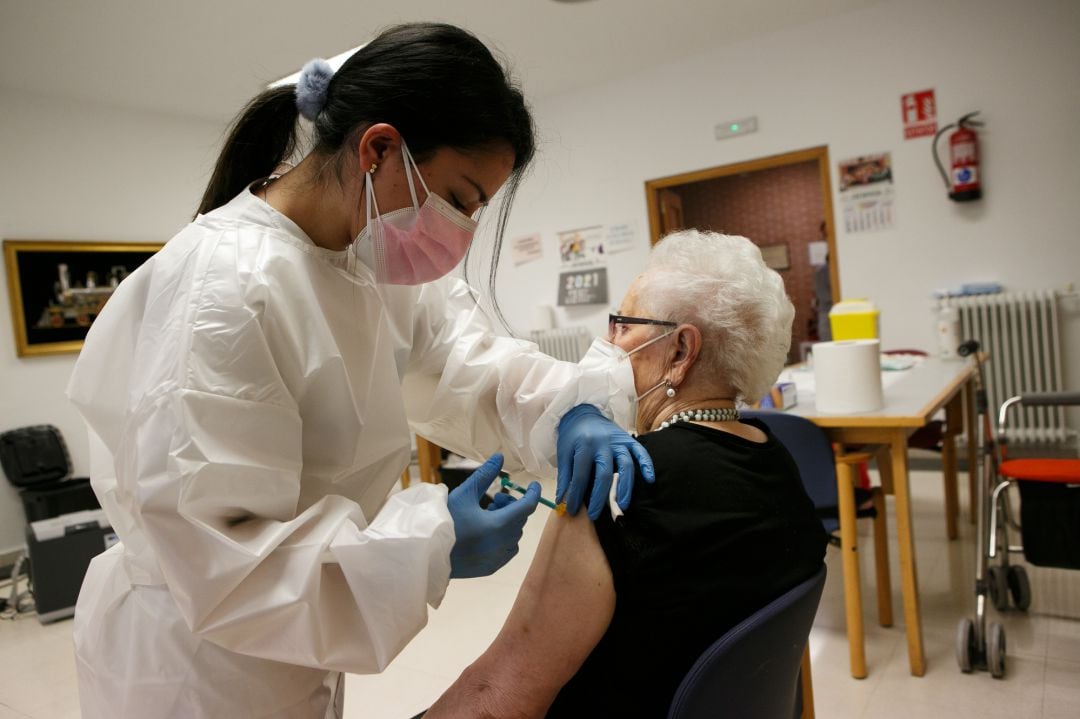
(583, 287)
(866, 192)
(582, 248)
(919, 112)
(620, 237)
(526, 249)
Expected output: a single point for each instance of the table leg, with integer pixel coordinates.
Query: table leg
(427, 456)
(849, 549)
(954, 413)
(908, 574)
(884, 465)
(971, 424)
(881, 560)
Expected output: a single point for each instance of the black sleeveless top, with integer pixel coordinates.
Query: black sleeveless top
(725, 529)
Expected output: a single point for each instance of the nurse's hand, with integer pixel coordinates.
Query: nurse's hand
(590, 448)
(486, 539)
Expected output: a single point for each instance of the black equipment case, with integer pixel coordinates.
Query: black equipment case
(36, 461)
(62, 536)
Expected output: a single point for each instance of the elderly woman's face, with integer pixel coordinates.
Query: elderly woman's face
(647, 363)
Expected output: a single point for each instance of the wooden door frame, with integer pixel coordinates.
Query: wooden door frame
(818, 154)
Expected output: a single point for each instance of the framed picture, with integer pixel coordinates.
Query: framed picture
(776, 256)
(57, 289)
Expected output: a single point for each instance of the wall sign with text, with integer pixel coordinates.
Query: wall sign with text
(583, 287)
(919, 111)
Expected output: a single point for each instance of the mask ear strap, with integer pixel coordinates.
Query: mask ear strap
(646, 344)
(410, 165)
(372, 209)
(652, 389)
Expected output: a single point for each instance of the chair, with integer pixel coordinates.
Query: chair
(829, 480)
(752, 672)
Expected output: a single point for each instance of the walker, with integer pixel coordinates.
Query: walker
(977, 648)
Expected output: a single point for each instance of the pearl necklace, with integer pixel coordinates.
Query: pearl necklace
(720, 414)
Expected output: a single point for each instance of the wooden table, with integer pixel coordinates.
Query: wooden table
(911, 399)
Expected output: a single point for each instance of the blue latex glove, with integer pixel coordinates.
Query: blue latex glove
(500, 500)
(590, 448)
(486, 539)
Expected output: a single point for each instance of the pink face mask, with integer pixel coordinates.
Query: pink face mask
(415, 244)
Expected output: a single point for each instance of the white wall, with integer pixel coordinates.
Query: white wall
(75, 171)
(838, 82)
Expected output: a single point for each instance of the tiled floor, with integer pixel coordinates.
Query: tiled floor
(1043, 671)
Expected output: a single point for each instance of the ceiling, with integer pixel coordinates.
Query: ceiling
(206, 58)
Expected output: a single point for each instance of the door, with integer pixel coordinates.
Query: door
(783, 203)
(671, 212)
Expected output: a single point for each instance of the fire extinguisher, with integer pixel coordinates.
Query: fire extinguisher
(962, 181)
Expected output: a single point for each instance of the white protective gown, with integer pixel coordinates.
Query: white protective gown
(244, 396)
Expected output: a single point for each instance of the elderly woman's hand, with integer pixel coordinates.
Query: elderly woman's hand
(590, 448)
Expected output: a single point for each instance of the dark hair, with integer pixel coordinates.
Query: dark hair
(437, 84)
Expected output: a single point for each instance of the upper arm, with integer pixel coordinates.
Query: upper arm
(443, 312)
(562, 610)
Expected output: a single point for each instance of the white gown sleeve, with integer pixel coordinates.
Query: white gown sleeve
(474, 392)
(322, 587)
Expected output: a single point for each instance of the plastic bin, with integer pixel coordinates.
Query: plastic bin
(854, 320)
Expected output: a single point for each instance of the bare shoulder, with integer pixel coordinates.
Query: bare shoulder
(562, 610)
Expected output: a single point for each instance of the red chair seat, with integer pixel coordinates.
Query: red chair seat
(1066, 471)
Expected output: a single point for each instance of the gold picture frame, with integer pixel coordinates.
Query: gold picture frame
(57, 288)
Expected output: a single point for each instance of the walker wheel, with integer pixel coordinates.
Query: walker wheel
(998, 583)
(995, 651)
(965, 645)
(1019, 587)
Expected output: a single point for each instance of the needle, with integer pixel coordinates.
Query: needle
(507, 484)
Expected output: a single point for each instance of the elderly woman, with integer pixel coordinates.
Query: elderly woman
(611, 616)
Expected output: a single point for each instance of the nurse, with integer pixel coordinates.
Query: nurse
(250, 393)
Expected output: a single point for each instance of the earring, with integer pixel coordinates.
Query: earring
(670, 390)
(374, 166)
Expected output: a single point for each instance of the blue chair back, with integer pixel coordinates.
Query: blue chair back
(752, 672)
(813, 455)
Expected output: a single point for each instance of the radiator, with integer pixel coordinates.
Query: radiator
(1020, 331)
(565, 343)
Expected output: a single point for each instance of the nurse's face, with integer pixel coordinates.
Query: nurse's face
(466, 179)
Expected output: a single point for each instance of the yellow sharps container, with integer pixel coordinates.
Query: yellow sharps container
(855, 320)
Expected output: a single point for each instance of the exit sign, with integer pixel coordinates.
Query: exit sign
(919, 112)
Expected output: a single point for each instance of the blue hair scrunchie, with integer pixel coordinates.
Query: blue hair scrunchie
(311, 87)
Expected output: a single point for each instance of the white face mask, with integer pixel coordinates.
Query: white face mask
(607, 355)
(640, 347)
(606, 362)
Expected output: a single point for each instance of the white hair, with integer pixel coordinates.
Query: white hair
(720, 284)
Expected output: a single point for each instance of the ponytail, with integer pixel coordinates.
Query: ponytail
(261, 137)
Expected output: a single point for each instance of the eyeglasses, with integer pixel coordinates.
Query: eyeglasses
(613, 320)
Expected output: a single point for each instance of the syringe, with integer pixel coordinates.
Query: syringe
(507, 484)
